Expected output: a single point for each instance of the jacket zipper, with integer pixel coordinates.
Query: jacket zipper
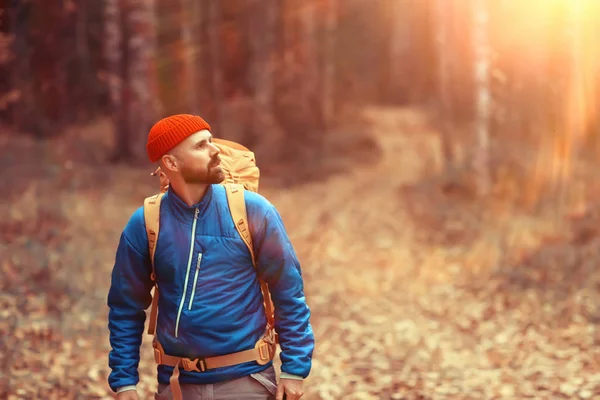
(195, 280)
(187, 273)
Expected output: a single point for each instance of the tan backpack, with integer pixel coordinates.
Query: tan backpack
(241, 173)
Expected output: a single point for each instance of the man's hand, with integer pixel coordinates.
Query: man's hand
(291, 387)
(128, 395)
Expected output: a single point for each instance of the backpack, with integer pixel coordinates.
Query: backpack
(241, 173)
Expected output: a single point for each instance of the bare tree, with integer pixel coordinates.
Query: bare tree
(443, 56)
(189, 22)
(26, 116)
(117, 57)
(483, 97)
(171, 75)
(128, 51)
(329, 61)
(308, 19)
(311, 93)
(141, 48)
(400, 49)
(569, 144)
(214, 39)
(262, 18)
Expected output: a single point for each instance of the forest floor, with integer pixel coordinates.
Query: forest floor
(417, 289)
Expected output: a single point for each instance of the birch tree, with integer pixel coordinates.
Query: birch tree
(443, 78)
(482, 99)
(566, 148)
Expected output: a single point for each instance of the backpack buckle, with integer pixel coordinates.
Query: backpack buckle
(195, 365)
(264, 353)
(157, 356)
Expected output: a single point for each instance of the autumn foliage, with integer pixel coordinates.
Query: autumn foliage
(434, 163)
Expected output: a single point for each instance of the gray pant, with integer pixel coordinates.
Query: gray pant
(261, 386)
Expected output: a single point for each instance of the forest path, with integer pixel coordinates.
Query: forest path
(391, 313)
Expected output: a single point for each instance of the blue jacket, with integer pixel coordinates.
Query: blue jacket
(210, 301)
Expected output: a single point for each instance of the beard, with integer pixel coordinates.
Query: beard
(211, 174)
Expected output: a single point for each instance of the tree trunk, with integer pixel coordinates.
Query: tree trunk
(202, 63)
(311, 94)
(329, 63)
(262, 38)
(25, 114)
(190, 46)
(214, 39)
(170, 56)
(154, 104)
(398, 86)
(309, 56)
(112, 49)
(443, 73)
(140, 49)
(483, 97)
(117, 55)
(261, 30)
(85, 72)
(61, 105)
(575, 120)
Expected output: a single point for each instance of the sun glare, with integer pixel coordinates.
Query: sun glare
(560, 36)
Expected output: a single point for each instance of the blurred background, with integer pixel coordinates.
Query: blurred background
(435, 163)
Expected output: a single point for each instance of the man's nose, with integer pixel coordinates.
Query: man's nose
(215, 150)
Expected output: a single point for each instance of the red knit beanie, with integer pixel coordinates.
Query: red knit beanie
(170, 131)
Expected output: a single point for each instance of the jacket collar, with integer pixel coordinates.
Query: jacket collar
(182, 211)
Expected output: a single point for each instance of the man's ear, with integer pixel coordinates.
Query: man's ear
(170, 162)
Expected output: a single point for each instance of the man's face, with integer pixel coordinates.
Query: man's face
(198, 159)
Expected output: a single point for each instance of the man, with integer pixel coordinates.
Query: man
(210, 301)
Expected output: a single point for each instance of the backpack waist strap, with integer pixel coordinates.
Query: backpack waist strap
(262, 352)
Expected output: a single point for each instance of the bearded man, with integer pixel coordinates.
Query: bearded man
(210, 302)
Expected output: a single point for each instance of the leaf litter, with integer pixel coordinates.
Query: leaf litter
(411, 297)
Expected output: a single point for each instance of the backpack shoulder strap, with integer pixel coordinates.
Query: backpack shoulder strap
(152, 219)
(237, 207)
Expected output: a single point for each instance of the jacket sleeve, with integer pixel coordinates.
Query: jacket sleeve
(128, 297)
(278, 265)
